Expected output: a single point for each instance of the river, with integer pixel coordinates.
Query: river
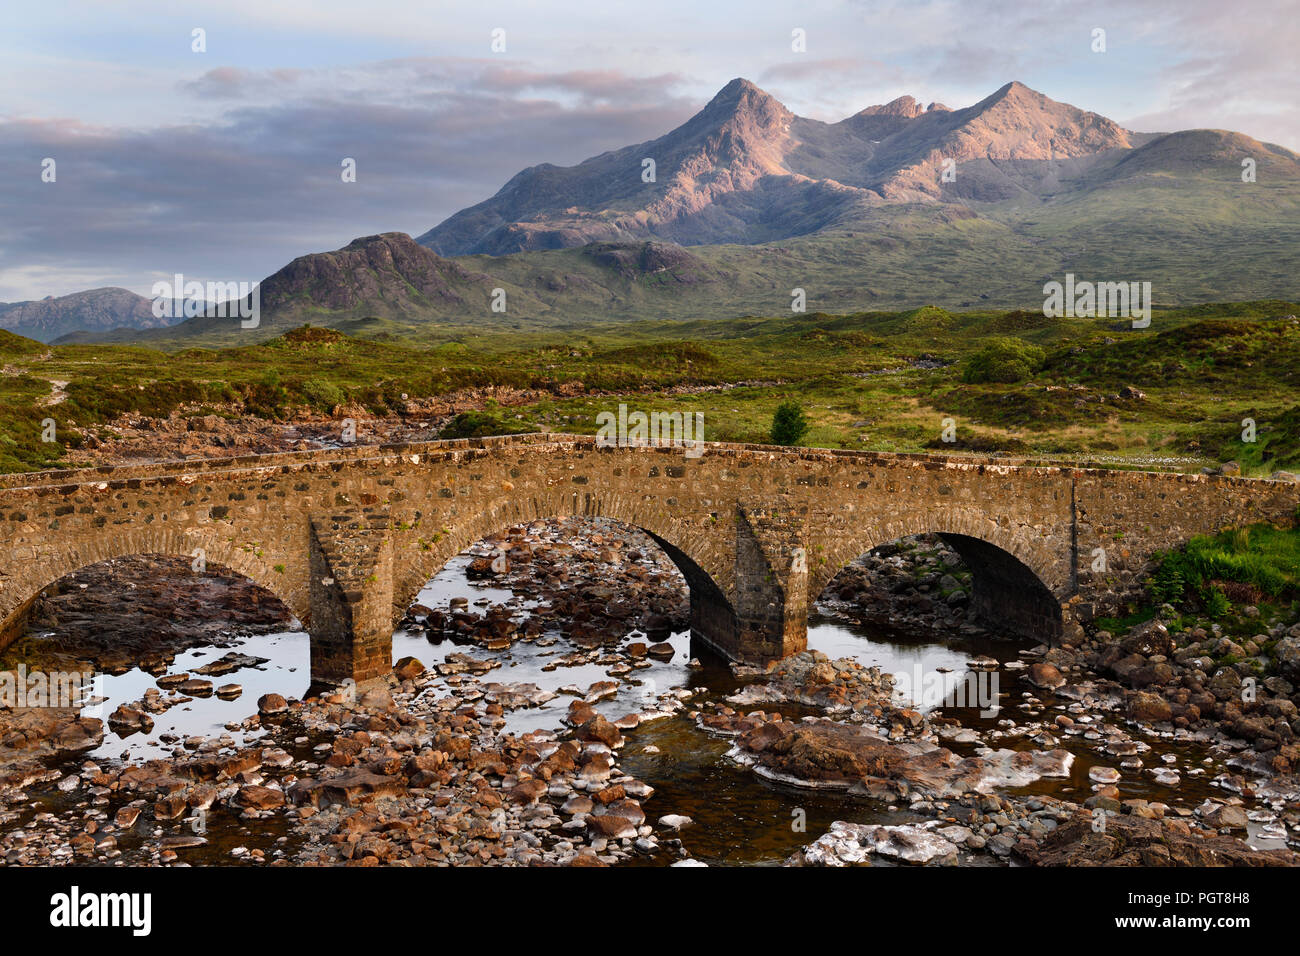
(738, 817)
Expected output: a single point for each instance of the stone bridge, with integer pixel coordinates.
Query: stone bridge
(348, 537)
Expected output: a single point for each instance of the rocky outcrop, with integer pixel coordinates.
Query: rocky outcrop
(1199, 679)
(813, 679)
(1137, 841)
(829, 755)
(848, 843)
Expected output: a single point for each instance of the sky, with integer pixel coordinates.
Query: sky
(224, 163)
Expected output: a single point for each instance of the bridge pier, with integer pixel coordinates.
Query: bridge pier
(351, 591)
(768, 620)
(766, 630)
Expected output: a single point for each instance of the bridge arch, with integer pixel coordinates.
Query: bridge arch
(22, 589)
(700, 555)
(1016, 580)
(350, 535)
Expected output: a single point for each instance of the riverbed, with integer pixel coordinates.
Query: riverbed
(738, 818)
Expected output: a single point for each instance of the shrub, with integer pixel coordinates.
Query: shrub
(1003, 360)
(1244, 562)
(789, 424)
(480, 425)
(324, 395)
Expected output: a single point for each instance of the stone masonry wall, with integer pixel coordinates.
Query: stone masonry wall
(732, 518)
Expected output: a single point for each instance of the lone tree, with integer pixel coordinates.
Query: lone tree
(789, 424)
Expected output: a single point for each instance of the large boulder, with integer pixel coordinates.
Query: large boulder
(1138, 841)
(1149, 708)
(253, 797)
(833, 755)
(408, 668)
(599, 729)
(1046, 676)
(848, 843)
(1286, 654)
(1148, 640)
(269, 704)
(350, 789)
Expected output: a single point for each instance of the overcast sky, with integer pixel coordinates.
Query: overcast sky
(225, 164)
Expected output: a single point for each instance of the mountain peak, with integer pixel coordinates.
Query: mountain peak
(904, 106)
(1017, 92)
(94, 310)
(737, 86)
(741, 97)
(746, 169)
(1026, 124)
(384, 238)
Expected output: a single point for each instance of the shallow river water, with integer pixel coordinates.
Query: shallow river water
(739, 818)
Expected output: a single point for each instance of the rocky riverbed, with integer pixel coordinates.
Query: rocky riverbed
(547, 708)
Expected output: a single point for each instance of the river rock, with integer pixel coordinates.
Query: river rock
(849, 843)
(1147, 707)
(834, 755)
(259, 798)
(577, 804)
(1223, 816)
(270, 704)
(1286, 653)
(130, 719)
(126, 817)
(1045, 675)
(230, 662)
(408, 668)
(611, 827)
(1130, 840)
(598, 728)
(351, 788)
(1103, 774)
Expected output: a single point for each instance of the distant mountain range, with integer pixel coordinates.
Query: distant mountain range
(95, 310)
(898, 205)
(747, 170)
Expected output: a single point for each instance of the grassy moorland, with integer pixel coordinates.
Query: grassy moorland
(1172, 395)
(1240, 582)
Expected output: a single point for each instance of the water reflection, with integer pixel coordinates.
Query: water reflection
(286, 672)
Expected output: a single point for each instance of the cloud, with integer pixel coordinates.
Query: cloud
(226, 165)
(236, 200)
(228, 82)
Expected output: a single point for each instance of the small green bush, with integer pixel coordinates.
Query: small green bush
(789, 424)
(1003, 360)
(480, 425)
(323, 395)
